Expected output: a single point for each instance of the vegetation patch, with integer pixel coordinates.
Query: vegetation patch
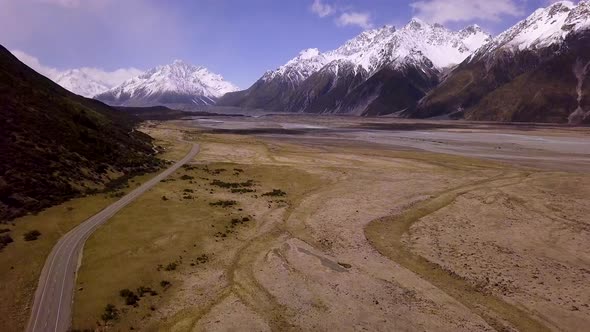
(110, 313)
(242, 190)
(275, 193)
(32, 235)
(5, 239)
(223, 203)
(233, 185)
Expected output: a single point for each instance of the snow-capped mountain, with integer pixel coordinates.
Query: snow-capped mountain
(319, 82)
(543, 28)
(179, 83)
(536, 70)
(89, 82)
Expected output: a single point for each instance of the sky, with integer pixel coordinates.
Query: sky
(239, 39)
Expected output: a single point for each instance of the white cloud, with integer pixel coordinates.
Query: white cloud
(322, 9)
(443, 11)
(359, 19)
(34, 63)
(86, 81)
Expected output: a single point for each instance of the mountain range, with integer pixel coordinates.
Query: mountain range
(537, 70)
(378, 72)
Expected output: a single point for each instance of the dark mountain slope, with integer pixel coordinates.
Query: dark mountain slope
(535, 71)
(56, 145)
(538, 86)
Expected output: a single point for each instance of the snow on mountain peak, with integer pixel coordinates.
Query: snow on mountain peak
(374, 48)
(546, 26)
(179, 77)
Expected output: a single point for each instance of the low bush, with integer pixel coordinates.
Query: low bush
(110, 313)
(223, 203)
(171, 267)
(130, 297)
(234, 185)
(32, 235)
(5, 240)
(165, 284)
(275, 193)
(242, 190)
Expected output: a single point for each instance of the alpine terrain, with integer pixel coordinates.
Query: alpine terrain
(380, 71)
(535, 71)
(176, 84)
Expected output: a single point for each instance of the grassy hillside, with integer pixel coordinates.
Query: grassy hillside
(56, 145)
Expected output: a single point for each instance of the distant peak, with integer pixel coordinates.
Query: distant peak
(472, 28)
(178, 62)
(416, 22)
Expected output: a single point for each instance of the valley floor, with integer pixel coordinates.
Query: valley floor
(304, 223)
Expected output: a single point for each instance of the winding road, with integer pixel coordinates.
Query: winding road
(52, 307)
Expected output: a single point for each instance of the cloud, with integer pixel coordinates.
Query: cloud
(35, 64)
(443, 11)
(79, 80)
(359, 19)
(322, 9)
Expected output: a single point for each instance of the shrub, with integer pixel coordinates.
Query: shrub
(164, 198)
(242, 190)
(187, 177)
(165, 284)
(188, 191)
(234, 185)
(5, 240)
(142, 290)
(110, 313)
(4, 230)
(130, 297)
(132, 300)
(223, 203)
(125, 292)
(275, 193)
(171, 267)
(32, 235)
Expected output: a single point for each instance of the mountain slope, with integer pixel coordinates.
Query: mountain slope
(56, 145)
(320, 82)
(178, 83)
(535, 71)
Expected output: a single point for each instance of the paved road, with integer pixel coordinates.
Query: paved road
(54, 295)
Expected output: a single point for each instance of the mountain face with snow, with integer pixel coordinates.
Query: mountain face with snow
(174, 84)
(380, 71)
(535, 71)
(89, 82)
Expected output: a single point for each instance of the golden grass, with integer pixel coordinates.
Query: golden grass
(126, 252)
(22, 261)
